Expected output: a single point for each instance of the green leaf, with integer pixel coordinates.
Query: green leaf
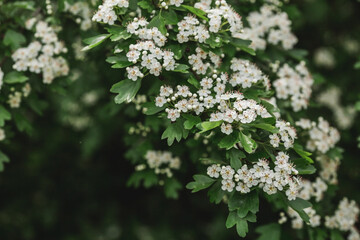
(242, 228)
(126, 89)
(171, 188)
(145, 5)
(298, 54)
(95, 41)
(120, 61)
(336, 235)
(206, 126)
(244, 203)
(151, 109)
(231, 219)
(170, 17)
(265, 126)
(193, 81)
(118, 33)
(4, 115)
(159, 23)
(235, 156)
(298, 205)
(191, 121)
(22, 123)
(198, 12)
(13, 39)
(201, 182)
(229, 141)
(174, 131)
(248, 143)
(181, 68)
(303, 167)
(15, 77)
(269, 231)
(215, 193)
(357, 65)
(3, 159)
(243, 45)
(299, 150)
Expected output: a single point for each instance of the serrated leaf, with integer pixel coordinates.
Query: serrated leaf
(193, 81)
(170, 17)
(145, 5)
(242, 228)
(299, 150)
(229, 141)
(198, 12)
(248, 143)
(126, 89)
(191, 121)
(174, 131)
(159, 23)
(4, 115)
(235, 156)
(95, 41)
(215, 193)
(181, 68)
(269, 231)
(299, 205)
(206, 126)
(151, 109)
(201, 182)
(13, 39)
(231, 219)
(15, 77)
(265, 126)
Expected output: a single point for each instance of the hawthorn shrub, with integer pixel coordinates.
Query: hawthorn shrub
(215, 97)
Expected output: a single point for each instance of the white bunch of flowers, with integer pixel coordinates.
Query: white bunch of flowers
(323, 137)
(269, 25)
(328, 168)
(247, 74)
(294, 84)
(313, 189)
(161, 161)
(230, 107)
(149, 57)
(202, 61)
(345, 216)
(166, 3)
(82, 10)
(106, 11)
(139, 28)
(139, 129)
(344, 116)
(40, 56)
(270, 180)
(220, 15)
(297, 222)
(286, 135)
(190, 28)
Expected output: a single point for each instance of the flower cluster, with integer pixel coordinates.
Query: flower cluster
(165, 3)
(247, 74)
(200, 61)
(40, 56)
(344, 116)
(139, 129)
(106, 12)
(294, 84)
(220, 16)
(286, 135)
(82, 10)
(344, 218)
(190, 28)
(139, 28)
(322, 136)
(230, 107)
(297, 222)
(270, 180)
(161, 161)
(328, 168)
(149, 57)
(271, 25)
(315, 189)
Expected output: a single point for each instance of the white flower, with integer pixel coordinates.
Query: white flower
(213, 171)
(226, 128)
